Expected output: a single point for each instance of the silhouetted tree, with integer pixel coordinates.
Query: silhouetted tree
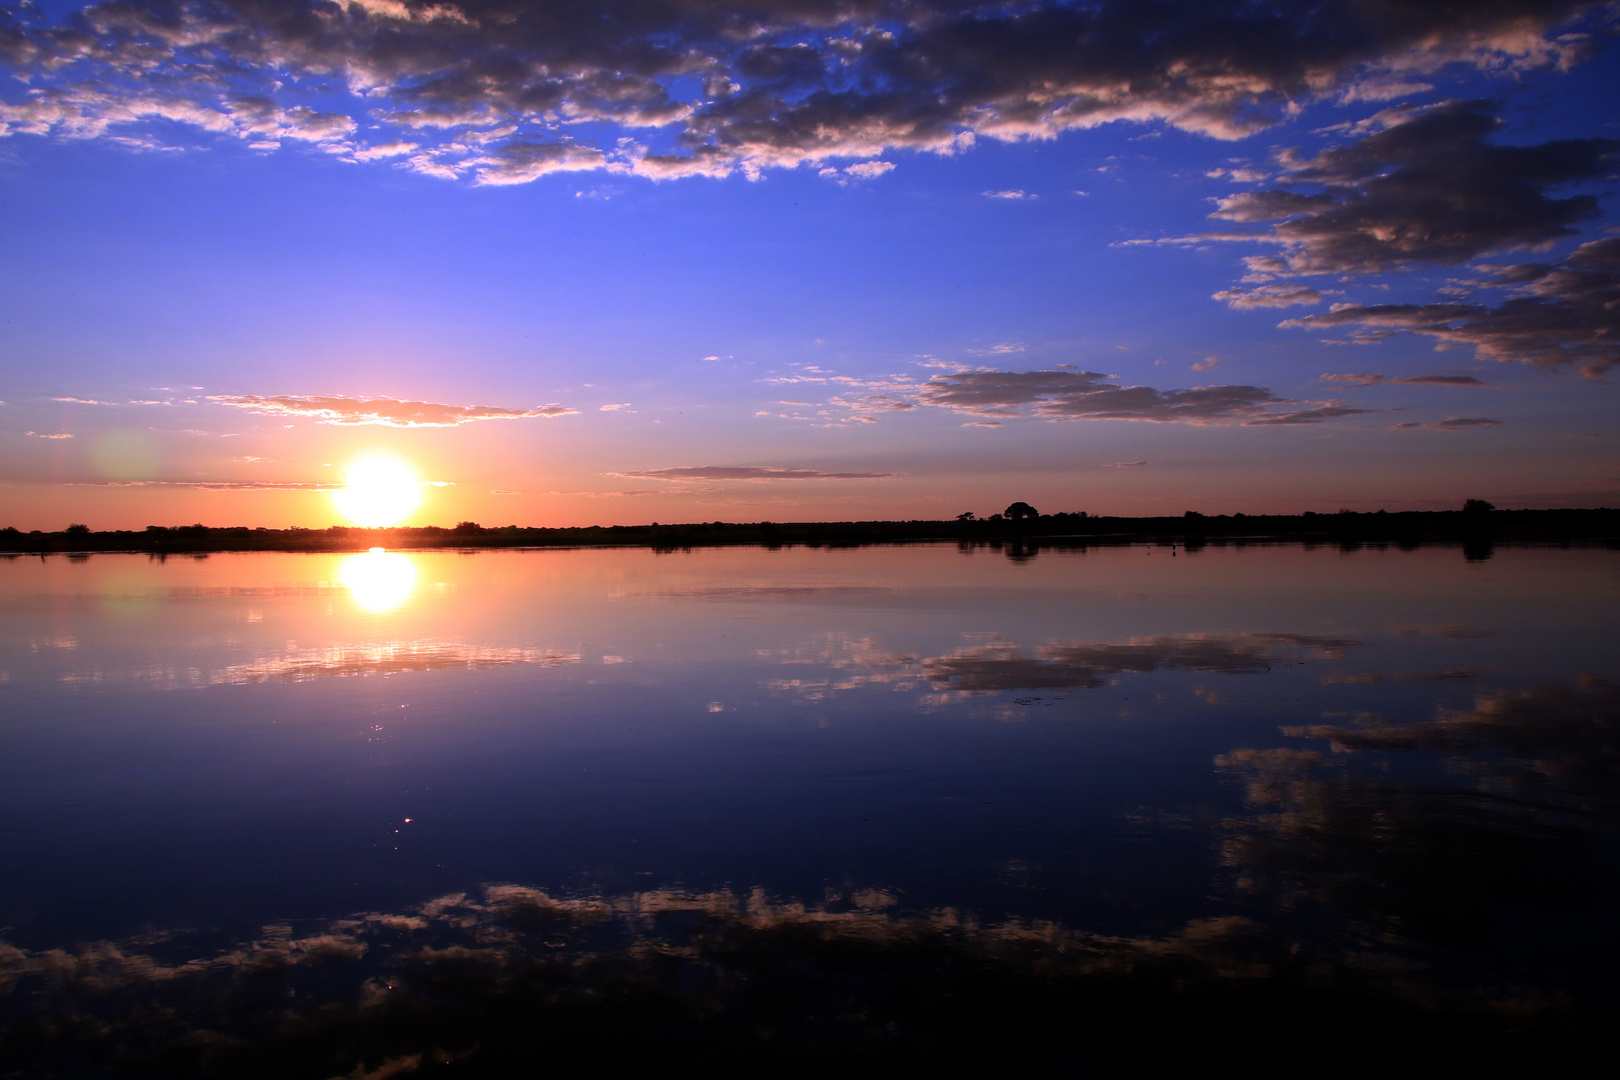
(1477, 506)
(77, 530)
(468, 527)
(966, 517)
(1021, 510)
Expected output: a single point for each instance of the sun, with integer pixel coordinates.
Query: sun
(380, 491)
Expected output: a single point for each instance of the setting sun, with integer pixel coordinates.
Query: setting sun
(379, 492)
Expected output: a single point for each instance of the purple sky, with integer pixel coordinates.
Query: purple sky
(668, 260)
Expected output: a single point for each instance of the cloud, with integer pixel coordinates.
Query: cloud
(1456, 423)
(614, 408)
(691, 474)
(56, 435)
(521, 162)
(214, 485)
(387, 412)
(1126, 464)
(872, 403)
(1268, 296)
(861, 170)
(1423, 187)
(1412, 380)
(1566, 313)
(1087, 395)
(490, 90)
(1011, 193)
(381, 151)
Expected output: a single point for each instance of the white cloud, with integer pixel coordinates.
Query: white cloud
(383, 411)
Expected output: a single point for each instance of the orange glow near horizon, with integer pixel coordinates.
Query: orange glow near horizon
(380, 492)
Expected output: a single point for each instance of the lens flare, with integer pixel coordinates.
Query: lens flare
(378, 580)
(380, 492)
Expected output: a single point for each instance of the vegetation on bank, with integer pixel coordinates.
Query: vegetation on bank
(1478, 523)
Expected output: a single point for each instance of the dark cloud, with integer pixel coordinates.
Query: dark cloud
(1006, 392)
(1424, 187)
(697, 473)
(1085, 667)
(1413, 380)
(520, 162)
(487, 88)
(386, 412)
(1087, 395)
(875, 403)
(1565, 313)
(1455, 423)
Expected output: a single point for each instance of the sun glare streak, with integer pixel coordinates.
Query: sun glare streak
(379, 492)
(378, 580)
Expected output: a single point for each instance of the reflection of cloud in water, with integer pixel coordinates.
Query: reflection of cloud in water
(1450, 631)
(772, 592)
(342, 660)
(992, 666)
(1007, 667)
(1367, 677)
(1555, 738)
(487, 983)
(386, 658)
(1480, 853)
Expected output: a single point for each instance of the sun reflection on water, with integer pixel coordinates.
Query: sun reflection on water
(379, 580)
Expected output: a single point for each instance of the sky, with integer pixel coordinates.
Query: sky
(692, 260)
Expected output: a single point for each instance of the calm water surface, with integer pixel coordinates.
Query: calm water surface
(1402, 763)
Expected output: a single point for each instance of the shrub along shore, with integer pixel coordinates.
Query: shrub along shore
(1477, 528)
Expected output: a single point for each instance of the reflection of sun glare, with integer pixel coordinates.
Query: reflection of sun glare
(380, 492)
(380, 580)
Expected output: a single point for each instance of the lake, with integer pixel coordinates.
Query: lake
(781, 800)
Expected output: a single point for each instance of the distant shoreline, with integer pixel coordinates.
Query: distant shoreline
(1192, 531)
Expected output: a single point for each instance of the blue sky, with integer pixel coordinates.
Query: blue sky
(803, 261)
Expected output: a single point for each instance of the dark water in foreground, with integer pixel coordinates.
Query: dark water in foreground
(324, 815)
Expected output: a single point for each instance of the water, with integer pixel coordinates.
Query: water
(1394, 771)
